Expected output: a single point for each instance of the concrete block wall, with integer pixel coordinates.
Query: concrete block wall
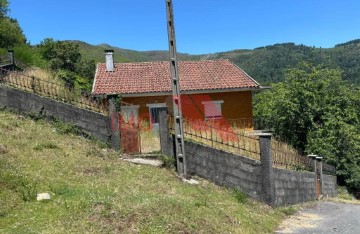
(258, 179)
(224, 168)
(90, 122)
(293, 187)
(329, 185)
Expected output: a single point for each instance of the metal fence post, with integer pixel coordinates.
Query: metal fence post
(267, 168)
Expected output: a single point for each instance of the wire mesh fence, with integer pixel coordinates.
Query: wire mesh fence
(53, 90)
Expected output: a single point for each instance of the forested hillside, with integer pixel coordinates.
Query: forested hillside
(265, 64)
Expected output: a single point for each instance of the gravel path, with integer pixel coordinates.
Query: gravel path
(325, 217)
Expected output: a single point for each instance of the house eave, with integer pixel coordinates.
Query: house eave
(150, 94)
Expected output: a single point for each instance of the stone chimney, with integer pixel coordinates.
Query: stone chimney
(11, 57)
(109, 59)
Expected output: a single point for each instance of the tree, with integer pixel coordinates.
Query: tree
(4, 8)
(10, 31)
(316, 112)
(64, 58)
(60, 54)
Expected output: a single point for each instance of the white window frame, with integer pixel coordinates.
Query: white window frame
(154, 105)
(207, 110)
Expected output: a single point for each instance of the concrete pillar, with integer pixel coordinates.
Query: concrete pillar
(313, 157)
(164, 131)
(11, 57)
(267, 169)
(114, 110)
(320, 172)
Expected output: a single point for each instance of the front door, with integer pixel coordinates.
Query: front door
(154, 116)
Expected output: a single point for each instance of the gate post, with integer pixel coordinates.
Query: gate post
(114, 110)
(268, 178)
(11, 57)
(313, 157)
(165, 141)
(320, 173)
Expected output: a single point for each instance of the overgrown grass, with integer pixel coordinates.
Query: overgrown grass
(93, 191)
(344, 196)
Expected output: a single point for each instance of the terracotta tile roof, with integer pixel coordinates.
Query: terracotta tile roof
(154, 77)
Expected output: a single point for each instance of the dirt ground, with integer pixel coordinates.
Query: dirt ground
(324, 217)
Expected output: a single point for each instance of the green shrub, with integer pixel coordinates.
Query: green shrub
(65, 128)
(169, 162)
(28, 191)
(240, 196)
(29, 56)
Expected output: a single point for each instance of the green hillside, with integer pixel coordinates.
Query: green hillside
(123, 55)
(265, 64)
(93, 191)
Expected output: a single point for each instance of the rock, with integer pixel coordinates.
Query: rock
(191, 181)
(151, 162)
(3, 149)
(43, 196)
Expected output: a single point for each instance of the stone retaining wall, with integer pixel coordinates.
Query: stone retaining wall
(88, 121)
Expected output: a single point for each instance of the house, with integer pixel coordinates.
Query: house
(210, 89)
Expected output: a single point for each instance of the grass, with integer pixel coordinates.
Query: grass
(93, 191)
(150, 139)
(344, 196)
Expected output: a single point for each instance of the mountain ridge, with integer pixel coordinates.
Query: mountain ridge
(265, 64)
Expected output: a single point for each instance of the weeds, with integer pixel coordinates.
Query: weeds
(169, 161)
(36, 116)
(65, 128)
(240, 196)
(45, 145)
(288, 210)
(28, 191)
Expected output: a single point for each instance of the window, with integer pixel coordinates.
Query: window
(212, 109)
(153, 112)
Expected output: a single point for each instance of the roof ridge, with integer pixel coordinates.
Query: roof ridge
(181, 61)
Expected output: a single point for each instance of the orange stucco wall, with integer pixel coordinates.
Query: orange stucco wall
(237, 105)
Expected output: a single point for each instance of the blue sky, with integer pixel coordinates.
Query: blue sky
(202, 26)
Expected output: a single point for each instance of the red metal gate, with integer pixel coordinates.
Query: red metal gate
(130, 135)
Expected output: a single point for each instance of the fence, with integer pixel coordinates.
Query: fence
(5, 59)
(237, 141)
(289, 183)
(241, 123)
(219, 137)
(57, 91)
(284, 156)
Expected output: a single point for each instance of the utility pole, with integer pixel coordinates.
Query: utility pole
(178, 119)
